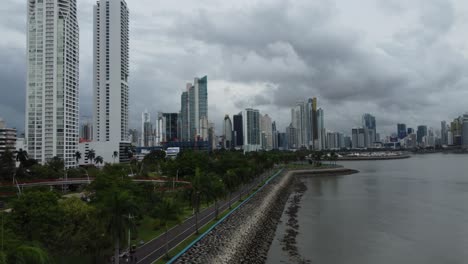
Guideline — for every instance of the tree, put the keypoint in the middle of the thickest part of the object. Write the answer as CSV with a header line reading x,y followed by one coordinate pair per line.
x,y
98,160
115,155
90,155
36,216
231,182
81,230
215,190
167,210
22,156
77,157
115,202
7,166
56,163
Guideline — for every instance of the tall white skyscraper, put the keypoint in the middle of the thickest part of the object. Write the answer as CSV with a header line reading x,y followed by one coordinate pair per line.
x,y
111,70
52,107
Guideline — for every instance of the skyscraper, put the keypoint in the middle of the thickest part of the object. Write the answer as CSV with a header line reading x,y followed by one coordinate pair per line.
x,y
52,98
443,133
368,122
401,131
315,128
166,128
274,135
227,129
421,133
184,114
146,130
251,125
465,131
321,132
238,130
194,111
266,130
111,70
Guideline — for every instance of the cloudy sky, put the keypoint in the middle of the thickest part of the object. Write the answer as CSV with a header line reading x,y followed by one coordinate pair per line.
x,y
403,61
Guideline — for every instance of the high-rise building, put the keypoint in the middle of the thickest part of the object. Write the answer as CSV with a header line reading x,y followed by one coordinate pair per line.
x,y
52,98
133,136
358,138
194,111
146,130
227,131
321,132
282,141
291,137
298,122
410,131
443,133
251,125
111,70
335,140
315,125
421,133
368,122
274,135
7,138
266,130
166,128
465,131
184,115
86,132
401,131
238,130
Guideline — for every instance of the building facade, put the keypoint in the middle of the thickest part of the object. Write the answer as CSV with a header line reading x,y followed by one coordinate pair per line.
x,y
7,138
194,111
421,134
52,98
251,126
368,122
111,70
227,132
238,131
401,131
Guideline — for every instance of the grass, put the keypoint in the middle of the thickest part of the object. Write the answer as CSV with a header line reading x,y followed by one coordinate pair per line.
x,y
149,229
203,229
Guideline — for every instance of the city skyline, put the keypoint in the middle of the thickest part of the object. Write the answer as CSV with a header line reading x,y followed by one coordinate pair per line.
x,y
379,89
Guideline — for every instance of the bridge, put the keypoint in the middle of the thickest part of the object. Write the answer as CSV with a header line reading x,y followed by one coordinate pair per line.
x,y
71,181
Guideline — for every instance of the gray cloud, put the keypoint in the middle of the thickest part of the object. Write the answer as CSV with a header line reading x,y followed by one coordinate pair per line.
x,y
285,50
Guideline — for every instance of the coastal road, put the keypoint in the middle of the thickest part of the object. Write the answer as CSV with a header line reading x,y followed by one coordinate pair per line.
x,y
156,248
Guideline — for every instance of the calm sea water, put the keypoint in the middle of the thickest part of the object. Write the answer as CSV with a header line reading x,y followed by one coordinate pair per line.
x,y
397,211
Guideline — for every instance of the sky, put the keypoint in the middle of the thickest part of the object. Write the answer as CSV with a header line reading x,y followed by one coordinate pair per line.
x,y
402,61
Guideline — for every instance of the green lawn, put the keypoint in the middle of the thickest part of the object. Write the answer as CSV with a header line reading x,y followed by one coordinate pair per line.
x,y
149,227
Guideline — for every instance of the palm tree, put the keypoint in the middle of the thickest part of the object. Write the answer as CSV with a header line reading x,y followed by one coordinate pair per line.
x,y
98,160
231,181
77,157
167,210
117,205
22,156
90,155
115,155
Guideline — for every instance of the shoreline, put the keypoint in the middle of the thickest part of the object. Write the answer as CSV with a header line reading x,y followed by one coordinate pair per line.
x,y
246,235
375,158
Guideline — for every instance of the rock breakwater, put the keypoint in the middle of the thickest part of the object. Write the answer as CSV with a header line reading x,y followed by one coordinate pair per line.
x,y
246,235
